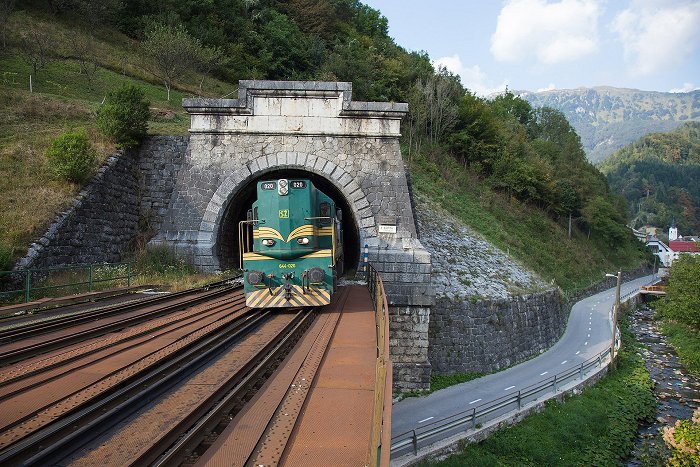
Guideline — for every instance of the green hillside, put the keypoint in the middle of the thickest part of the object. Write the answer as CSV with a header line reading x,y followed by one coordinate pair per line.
x,y
527,164
659,175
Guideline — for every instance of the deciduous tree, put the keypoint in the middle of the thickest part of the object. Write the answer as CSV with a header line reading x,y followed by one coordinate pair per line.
x,y
171,51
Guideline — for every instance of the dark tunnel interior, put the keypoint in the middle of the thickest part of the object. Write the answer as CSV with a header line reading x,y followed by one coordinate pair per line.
x,y
227,245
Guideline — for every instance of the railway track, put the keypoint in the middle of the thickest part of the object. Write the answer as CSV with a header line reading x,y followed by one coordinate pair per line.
x,y
96,322
218,384
55,422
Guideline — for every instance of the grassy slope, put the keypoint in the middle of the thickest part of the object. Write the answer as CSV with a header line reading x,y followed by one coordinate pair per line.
x,y
525,232
596,428
64,99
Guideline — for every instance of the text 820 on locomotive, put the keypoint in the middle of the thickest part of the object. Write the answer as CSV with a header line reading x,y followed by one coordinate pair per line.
x,y
290,245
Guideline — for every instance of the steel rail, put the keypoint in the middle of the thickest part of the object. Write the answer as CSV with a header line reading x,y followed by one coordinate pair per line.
x,y
57,440
236,304
175,446
16,355
42,327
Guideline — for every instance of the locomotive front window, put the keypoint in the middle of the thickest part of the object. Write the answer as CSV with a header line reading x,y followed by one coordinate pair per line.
x,y
325,213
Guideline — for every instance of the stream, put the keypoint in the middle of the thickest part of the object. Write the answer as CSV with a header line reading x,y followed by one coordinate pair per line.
x,y
677,392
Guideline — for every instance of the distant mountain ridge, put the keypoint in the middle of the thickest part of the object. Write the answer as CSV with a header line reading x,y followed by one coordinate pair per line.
x,y
608,118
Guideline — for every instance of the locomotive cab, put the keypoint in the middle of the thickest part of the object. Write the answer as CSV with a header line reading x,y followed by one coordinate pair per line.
x,y
291,245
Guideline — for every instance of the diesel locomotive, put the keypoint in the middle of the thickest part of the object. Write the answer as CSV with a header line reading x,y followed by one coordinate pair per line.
x,y
291,245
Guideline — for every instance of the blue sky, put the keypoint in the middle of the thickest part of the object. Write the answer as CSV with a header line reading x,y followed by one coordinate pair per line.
x,y
653,45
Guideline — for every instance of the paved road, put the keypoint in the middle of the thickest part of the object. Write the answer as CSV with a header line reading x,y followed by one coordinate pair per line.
x,y
587,334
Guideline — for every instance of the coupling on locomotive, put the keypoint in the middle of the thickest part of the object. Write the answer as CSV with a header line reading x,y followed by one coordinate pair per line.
x,y
291,245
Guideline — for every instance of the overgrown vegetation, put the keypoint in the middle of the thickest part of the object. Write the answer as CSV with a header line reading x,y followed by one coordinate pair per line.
x,y
596,428
158,265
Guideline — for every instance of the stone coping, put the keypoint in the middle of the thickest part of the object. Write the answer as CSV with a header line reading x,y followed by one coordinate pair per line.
x,y
243,105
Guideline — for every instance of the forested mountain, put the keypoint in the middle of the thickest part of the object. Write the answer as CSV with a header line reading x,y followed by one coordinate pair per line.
x,y
77,51
608,118
659,175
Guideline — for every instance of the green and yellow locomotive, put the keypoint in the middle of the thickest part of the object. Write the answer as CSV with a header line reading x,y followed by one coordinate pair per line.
x,y
291,246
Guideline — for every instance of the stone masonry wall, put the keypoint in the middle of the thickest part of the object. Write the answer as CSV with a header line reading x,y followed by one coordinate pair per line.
x,y
160,161
100,223
104,220
489,335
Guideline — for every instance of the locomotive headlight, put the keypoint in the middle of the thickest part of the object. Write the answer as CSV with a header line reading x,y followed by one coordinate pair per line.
x,y
282,186
254,277
268,242
303,241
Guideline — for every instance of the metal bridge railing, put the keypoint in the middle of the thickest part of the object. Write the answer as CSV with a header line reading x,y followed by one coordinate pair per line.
x,y
471,419
69,279
381,416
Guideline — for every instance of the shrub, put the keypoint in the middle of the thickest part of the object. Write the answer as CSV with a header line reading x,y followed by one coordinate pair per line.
x,y
124,116
6,256
71,156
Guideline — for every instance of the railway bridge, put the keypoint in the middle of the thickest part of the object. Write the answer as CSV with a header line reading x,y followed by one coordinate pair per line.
x,y
350,150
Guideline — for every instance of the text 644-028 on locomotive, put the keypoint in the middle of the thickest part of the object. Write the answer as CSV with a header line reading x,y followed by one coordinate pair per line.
x,y
291,245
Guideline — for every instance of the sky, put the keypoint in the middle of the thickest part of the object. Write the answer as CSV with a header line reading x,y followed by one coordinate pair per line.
x,y
535,45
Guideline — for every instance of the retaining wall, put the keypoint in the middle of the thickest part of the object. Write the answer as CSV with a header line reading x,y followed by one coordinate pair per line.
x,y
490,335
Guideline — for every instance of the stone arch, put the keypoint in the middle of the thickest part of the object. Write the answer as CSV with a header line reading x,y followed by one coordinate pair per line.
x,y
232,185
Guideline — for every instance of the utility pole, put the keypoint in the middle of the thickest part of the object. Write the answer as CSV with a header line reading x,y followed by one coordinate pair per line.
x,y
615,311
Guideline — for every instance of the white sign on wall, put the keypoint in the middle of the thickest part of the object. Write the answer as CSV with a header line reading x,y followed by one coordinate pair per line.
x,y
385,228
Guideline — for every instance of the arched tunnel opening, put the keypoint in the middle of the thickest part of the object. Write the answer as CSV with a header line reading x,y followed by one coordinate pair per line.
x,y
227,247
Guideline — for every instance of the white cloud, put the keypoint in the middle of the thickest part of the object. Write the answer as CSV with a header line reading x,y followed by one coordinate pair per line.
x,y
551,87
656,37
687,87
550,32
473,78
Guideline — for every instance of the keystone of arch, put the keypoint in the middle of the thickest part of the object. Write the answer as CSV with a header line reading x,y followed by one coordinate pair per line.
x,y
231,186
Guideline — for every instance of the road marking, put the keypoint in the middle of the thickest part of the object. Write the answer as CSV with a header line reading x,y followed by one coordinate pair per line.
x,y
509,387
426,419
542,374
588,336
589,329
564,362
474,401
578,352
586,343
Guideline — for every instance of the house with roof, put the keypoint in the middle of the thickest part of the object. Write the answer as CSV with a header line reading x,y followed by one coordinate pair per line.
x,y
677,245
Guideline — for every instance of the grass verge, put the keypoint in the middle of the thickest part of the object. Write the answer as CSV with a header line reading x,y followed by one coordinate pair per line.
x,y
596,428
438,382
